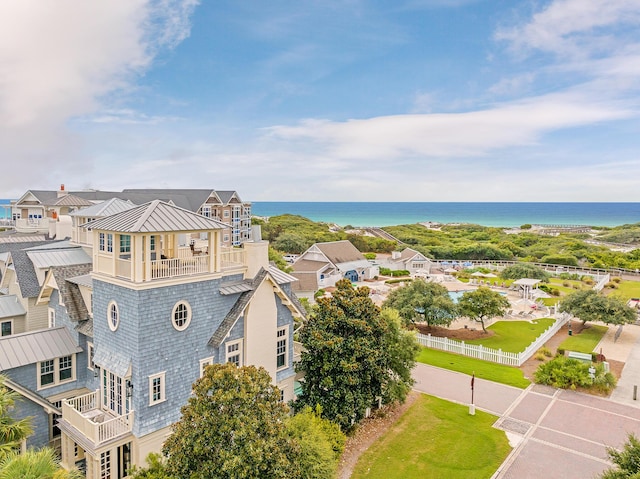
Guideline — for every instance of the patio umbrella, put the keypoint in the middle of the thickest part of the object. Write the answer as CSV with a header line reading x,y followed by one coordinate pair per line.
x,y
490,275
478,274
450,270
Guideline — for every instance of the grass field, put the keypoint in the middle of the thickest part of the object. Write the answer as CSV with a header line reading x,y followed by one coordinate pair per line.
x,y
627,290
436,439
482,369
514,336
586,341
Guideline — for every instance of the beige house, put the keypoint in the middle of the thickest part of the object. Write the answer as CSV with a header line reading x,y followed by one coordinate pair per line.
x,y
324,264
410,260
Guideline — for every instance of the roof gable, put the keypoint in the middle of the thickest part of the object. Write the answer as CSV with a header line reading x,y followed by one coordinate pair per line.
x,y
340,251
105,208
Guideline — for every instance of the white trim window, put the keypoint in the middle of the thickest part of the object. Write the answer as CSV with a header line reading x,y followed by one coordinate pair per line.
x,y
6,327
125,243
181,315
114,393
53,372
225,238
234,352
204,363
282,350
105,465
206,211
157,388
90,352
52,318
113,316
101,242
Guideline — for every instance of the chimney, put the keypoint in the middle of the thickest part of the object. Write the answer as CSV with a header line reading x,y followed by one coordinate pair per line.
x,y
256,251
61,191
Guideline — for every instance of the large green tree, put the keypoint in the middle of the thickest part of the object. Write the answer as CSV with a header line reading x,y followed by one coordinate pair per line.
x,y
12,432
589,305
422,301
482,304
232,427
524,270
627,461
353,355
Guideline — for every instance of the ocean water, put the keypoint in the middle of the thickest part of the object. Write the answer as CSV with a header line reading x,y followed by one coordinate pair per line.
x,y
5,212
488,214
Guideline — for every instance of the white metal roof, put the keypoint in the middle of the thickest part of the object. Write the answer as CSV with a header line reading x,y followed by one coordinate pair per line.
x,y
527,282
10,306
105,208
156,217
84,280
280,276
29,348
62,257
350,265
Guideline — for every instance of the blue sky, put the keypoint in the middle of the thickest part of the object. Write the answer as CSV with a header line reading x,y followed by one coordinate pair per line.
x,y
404,100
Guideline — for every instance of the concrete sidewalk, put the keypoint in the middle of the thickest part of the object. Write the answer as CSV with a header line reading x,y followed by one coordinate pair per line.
x,y
555,434
623,393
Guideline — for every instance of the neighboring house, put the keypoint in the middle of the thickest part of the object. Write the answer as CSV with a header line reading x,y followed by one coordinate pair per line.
x,y
324,264
135,329
409,260
42,211
23,266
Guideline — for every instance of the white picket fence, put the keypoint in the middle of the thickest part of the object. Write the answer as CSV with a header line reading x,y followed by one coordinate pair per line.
x,y
490,354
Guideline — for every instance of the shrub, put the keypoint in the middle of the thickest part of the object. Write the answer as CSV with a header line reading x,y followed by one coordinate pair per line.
x,y
568,373
385,271
319,293
395,281
566,284
616,280
611,285
588,281
560,352
554,292
525,226
369,255
545,351
400,272
539,356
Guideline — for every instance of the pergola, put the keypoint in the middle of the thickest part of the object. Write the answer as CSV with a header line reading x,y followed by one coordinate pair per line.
x,y
527,285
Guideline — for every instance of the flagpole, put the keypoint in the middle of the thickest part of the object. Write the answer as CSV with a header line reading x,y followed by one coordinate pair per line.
x,y
472,406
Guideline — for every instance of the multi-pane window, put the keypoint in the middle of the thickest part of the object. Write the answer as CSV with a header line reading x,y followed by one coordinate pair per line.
x,y
52,317
47,369
65,368
109,243
234,353
156,389
181,315
101,242
281,348
204,363
153,243
113,392
56,371
113,316
90,353
206,211
105,465
6,328
125,243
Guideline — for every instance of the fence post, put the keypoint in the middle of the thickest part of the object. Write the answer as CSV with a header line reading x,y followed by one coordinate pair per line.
x,y
429,340
500,355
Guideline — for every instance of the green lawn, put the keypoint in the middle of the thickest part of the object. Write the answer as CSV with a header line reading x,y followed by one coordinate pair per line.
x,y
436,439
482,369
586,341
627,290
514,336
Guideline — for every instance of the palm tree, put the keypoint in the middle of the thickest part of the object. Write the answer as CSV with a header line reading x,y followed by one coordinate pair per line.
x,y
12,432
34,464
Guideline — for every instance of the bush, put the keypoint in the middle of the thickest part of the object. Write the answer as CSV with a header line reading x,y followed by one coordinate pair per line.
x,y
545,351
395,281
568,373
560,352
611,285
566,284
369,255
539,356
400,272
385,271
554,292
616,280
319,293
525,226
588,281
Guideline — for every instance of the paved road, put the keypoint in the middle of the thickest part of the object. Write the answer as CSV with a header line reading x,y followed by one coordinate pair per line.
x,y
556,434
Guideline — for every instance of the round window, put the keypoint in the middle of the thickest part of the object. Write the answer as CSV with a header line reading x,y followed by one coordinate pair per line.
x,y
181,315
113,316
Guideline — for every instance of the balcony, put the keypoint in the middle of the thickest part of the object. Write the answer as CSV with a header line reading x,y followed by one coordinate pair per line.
x,y
185,264
94,423
39,225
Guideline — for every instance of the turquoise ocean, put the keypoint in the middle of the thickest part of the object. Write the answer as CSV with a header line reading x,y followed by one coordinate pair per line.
x,y
488,214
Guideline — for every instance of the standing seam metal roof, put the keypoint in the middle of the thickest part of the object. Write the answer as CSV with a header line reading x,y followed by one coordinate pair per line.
x,y
156,217
106,208
10,306
29,348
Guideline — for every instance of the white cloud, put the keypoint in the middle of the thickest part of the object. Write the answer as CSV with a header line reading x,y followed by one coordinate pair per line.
x,y
60,60
575,27
452,135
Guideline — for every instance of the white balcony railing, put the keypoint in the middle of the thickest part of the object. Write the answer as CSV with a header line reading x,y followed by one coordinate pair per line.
x,y
96,424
